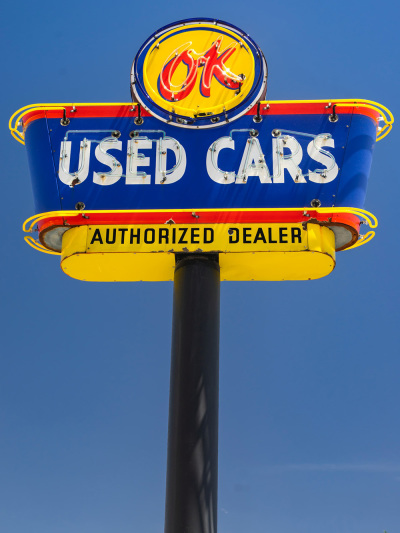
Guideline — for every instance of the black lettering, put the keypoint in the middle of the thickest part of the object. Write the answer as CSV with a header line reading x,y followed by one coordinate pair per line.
x,y
96,237
123,231
296,234
181,240
108,241
281,235
173,235
233,235
247,235
134,236
211,239
192,235
163,234
152,231
270,236
260,236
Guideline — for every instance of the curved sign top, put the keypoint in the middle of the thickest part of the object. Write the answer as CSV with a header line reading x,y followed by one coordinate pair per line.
x,y
199,73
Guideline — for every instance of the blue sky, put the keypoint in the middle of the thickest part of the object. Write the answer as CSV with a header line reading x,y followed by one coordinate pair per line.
x,y
309,383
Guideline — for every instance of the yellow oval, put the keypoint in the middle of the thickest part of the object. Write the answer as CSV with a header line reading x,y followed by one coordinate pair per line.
x,y
211,59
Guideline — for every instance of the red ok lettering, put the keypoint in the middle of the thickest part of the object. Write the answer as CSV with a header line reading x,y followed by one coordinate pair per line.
x,y
213,63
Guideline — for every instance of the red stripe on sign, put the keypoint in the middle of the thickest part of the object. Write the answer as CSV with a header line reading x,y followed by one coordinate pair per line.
x,y
201,217
314,108
85,111
266,108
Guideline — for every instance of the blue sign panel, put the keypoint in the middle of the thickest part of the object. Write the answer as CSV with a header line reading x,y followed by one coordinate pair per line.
x,y
272,160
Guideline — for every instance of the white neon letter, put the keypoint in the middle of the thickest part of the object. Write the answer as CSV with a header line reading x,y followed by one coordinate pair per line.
x,y
135,159
324,157
177,171
83,166
253,163
282,161
112,176
215,173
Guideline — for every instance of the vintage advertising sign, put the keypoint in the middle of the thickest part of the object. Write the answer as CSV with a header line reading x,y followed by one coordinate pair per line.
x,y
200,149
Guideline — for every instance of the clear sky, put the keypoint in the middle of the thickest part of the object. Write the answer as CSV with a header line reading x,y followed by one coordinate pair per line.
x,y
309,385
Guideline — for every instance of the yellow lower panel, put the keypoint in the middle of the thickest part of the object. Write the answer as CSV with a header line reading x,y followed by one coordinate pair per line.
x,y
120,266
312,258
275,266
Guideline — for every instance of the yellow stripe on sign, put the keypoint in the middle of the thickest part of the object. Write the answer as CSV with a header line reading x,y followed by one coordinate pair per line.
x,y
196,238
290,252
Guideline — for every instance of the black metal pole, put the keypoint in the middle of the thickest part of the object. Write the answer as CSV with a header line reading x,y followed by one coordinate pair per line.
x,y
192,465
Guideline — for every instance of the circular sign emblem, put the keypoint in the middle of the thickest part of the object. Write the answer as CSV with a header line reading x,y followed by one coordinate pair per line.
x,y
199,73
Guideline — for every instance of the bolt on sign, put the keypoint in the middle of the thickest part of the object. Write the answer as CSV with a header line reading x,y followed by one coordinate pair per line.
x,y
200,161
